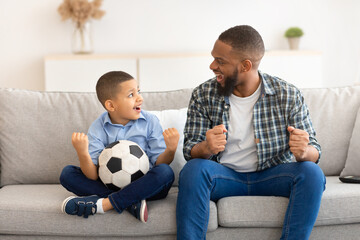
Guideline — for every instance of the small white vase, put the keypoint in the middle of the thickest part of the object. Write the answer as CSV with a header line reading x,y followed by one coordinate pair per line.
x,y
294,43
82,39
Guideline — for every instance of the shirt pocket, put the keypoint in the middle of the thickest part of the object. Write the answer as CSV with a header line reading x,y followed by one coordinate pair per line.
x,y
274,131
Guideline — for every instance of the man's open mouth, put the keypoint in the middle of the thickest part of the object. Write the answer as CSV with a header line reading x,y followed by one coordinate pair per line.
x,y
219,77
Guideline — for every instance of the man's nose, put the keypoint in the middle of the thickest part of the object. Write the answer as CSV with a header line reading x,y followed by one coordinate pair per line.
x,y
213,65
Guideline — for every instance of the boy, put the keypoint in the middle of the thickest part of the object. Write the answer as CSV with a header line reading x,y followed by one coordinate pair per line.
x,y
118,92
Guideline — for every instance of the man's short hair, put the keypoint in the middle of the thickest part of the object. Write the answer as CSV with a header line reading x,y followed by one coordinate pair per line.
x,y
108,85
245,40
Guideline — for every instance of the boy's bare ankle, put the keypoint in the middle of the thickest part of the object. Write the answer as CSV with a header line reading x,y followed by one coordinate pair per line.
x,y
106,205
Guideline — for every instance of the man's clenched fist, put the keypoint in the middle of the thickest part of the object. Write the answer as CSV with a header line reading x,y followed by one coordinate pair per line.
x,y
298,142
216,139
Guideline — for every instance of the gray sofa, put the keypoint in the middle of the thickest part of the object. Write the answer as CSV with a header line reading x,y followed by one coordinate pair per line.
x,y
35,130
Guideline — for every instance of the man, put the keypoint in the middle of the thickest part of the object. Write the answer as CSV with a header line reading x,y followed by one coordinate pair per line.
x,y
258,131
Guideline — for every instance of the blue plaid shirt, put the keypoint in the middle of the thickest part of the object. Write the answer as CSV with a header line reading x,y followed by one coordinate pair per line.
x,y
280,105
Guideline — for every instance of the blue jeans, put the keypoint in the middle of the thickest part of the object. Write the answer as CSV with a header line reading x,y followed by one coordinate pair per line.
x,y
154,185
204,180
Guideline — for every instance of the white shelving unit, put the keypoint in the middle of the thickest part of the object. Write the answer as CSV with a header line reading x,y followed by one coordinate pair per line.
x,y
155,72
79,73
302,68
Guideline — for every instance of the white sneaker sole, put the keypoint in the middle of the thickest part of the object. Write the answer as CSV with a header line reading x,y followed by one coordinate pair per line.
x,y
143,212
63,205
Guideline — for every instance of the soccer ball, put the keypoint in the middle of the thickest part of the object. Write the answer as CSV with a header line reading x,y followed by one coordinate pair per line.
x,y
121,163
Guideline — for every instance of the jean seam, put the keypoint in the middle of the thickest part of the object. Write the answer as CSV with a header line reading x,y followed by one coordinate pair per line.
x,y
114,203
248,184
289,213
271,177
206,223
227,178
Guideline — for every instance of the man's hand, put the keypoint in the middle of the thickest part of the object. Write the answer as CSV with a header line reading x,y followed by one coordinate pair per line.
x,y
216,139
80,142
171,137
299,143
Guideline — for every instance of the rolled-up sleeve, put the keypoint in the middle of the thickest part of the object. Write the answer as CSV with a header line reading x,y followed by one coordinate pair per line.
x,y
197,123
300,118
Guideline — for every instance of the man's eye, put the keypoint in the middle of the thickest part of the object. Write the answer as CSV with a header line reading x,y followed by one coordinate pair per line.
x,y
131,95
219,61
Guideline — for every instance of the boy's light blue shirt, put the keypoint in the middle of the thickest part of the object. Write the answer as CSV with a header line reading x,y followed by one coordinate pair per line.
x,y
145,131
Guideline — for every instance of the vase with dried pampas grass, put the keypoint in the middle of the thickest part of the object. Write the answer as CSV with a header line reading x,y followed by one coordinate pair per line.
x,y
81,12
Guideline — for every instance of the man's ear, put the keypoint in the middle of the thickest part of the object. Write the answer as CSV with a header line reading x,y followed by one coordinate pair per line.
x,y
246,65
109,105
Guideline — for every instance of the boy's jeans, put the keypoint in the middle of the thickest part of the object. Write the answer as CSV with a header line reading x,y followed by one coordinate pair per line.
x,y
204,180
154,185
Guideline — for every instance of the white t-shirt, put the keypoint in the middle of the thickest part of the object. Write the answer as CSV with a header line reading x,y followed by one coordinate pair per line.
x,y
240,150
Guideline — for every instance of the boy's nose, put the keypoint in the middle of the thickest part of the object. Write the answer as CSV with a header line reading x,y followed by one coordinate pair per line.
x,y
139,98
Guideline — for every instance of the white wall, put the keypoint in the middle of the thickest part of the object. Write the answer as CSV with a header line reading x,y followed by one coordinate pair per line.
x,y
29,30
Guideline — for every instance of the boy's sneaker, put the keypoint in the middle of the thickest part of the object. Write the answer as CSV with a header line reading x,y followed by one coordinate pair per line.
x,y
139,210
80,206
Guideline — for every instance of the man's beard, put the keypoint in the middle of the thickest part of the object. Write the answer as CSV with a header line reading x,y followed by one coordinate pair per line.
x,y
230,83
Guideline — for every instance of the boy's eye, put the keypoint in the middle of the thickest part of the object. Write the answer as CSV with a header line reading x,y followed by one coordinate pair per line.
x,y
131,95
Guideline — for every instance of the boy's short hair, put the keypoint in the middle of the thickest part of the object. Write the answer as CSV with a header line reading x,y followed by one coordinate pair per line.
x,y
108,85
245,40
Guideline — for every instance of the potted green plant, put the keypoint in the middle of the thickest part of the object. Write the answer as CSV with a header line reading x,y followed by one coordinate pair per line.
x,y
293,35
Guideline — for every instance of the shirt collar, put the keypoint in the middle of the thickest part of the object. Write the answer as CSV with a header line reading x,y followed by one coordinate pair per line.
x,y
107,120
266,86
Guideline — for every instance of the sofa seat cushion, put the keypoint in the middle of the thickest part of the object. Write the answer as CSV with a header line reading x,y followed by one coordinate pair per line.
x,y
36,210
340,205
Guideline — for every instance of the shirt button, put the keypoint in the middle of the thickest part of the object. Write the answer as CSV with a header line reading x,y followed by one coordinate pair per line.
x,y
226,106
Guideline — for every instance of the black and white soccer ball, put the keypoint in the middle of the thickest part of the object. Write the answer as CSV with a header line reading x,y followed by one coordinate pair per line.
x,y
121,163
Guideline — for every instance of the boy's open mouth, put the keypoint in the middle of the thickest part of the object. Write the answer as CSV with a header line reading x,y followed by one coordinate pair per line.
x,y
137,108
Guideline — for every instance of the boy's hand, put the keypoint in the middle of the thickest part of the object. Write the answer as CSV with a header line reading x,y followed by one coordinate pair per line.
x,y
80,142
171,137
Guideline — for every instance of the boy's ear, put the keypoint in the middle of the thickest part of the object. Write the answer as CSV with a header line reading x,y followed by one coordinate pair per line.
x,y
109,105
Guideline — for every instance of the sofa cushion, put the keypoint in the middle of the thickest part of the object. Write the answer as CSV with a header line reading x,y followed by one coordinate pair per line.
x,y
340,205
35,133
36,210
333,113
175,119
36,128
352,164
157,101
